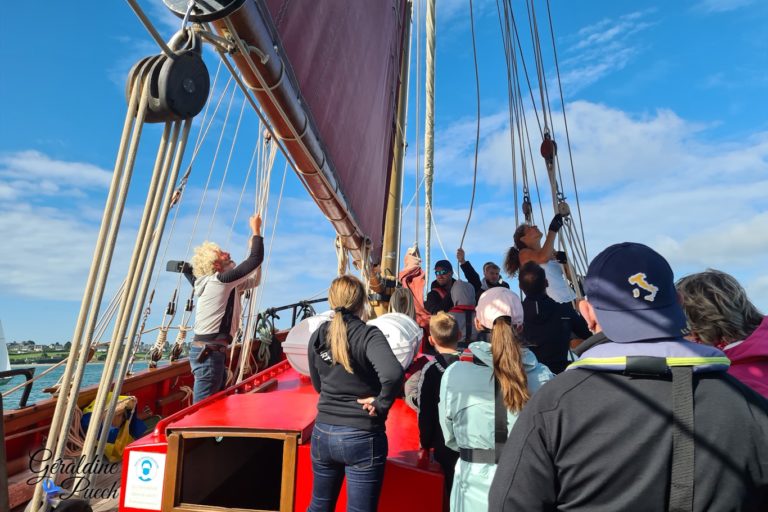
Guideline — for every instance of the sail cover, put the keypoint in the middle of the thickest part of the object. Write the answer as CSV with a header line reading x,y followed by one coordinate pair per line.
x,y
345,56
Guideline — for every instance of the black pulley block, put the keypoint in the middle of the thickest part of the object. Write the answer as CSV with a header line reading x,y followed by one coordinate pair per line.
x,y
183,85
204,10
178,86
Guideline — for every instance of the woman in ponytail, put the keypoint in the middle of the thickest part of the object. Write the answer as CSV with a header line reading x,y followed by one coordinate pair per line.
x,y
502,377
358,378
529,247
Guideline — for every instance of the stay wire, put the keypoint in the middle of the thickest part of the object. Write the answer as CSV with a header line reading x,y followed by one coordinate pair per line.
x,y
244,187
559,185
181,185
226,166
525,71
477,131
565,124
510,99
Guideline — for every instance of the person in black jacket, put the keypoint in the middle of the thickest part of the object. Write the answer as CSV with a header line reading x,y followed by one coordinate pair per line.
x,y
644,420
548,326
491,274
358,377
444,336
439,296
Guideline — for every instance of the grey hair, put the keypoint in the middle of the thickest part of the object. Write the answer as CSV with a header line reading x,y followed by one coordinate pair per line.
x,y
401,301
717,307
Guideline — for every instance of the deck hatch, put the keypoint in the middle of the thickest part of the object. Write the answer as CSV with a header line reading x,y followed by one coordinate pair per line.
x,y
230,470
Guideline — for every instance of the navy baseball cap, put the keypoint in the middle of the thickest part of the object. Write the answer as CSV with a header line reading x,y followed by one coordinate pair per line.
x,y
632,289
444,264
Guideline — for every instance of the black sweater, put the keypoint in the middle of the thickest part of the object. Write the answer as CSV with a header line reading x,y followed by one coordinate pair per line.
x,y
377,373
473,278
548,327
436,302
430,433
602,441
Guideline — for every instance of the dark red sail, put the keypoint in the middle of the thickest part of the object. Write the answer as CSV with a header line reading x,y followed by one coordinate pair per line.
x,y
342,63
346,57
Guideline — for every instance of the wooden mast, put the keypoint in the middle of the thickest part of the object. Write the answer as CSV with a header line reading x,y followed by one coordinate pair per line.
x,y
383,284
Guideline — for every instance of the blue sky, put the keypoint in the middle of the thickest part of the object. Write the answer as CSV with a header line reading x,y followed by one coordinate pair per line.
x,y
666,110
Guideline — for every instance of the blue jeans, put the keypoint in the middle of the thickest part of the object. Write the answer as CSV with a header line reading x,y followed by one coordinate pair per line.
x,y
210,375
338,450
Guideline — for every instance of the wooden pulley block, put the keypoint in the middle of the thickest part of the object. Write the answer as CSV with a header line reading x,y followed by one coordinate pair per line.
x,y
548,148
138,73
527,208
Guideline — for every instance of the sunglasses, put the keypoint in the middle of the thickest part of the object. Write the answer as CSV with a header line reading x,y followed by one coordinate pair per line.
x,y
441,272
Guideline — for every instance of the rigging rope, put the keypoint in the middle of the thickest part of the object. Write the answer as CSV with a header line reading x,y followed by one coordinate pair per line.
x,y
477,132
342,257
256,150
94,288
229,160
261,200
565,124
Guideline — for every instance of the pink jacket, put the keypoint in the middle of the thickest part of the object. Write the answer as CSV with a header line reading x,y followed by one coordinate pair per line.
x,y
749,359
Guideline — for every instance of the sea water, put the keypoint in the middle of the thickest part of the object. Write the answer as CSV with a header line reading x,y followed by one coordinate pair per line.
x,y
91,377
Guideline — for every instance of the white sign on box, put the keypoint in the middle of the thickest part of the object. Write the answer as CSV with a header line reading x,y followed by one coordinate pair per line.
x,y
144,484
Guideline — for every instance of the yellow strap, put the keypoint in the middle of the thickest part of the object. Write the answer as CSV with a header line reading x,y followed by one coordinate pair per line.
x,y
671,361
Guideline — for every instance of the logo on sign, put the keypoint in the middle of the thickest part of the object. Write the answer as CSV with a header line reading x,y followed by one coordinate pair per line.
x,y
146,468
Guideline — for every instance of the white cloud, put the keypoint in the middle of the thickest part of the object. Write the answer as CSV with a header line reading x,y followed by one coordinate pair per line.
x,y
28,173
53,245
654,178
602,48
757,291
713,6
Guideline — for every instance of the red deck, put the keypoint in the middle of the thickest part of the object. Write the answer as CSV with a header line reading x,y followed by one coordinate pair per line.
x,y
285,401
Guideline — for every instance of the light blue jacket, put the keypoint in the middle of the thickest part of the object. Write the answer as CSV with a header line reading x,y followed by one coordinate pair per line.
x,y
467,419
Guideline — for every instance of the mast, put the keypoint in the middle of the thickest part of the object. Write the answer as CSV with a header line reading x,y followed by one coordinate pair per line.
x,y
391,243
429,129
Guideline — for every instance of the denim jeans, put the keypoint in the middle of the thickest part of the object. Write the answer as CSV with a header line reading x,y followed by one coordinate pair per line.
x,y
210,375
360,455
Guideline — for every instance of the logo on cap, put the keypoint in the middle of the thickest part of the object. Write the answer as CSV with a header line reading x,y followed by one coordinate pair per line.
x,y
640,280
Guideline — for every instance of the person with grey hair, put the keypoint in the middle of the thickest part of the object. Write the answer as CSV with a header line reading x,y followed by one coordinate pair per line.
x,y
401,301
491,274
720,313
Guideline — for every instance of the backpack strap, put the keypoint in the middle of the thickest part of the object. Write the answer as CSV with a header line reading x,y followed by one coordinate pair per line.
x,y
682,478
682,472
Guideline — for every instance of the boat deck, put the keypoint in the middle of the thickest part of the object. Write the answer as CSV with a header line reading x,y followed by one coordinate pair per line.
x,y
280,402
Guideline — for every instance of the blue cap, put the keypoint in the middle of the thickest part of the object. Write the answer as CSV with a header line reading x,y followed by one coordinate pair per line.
x,y
632,290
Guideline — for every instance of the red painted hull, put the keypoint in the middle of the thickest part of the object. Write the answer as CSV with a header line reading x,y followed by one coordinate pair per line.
x,y
157,392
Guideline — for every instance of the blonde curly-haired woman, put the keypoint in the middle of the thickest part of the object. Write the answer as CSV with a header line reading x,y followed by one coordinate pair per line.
x,y
218,284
